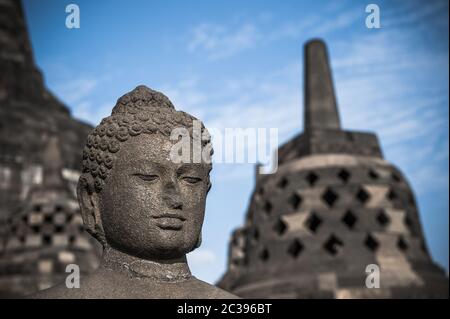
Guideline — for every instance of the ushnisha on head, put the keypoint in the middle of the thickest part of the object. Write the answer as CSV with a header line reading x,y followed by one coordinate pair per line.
x,y
133,196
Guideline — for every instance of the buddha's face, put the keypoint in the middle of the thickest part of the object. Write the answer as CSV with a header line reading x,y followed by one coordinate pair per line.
x,y
151,207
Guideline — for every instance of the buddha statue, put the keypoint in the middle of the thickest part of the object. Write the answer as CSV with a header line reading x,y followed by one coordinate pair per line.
x,y
146,209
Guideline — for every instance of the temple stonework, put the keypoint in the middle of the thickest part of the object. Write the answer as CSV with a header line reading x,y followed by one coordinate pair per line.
x,y
333,207
29,116
46,235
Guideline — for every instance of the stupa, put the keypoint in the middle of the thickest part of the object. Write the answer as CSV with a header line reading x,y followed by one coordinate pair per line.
x,y
334,207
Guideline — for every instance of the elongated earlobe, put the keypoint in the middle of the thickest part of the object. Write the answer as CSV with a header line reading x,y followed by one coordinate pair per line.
x,y
89,205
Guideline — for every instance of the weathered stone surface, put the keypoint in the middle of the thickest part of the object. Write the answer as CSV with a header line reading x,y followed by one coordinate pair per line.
x,y
333,207
46,235
40,229
144,208
28,112
320,102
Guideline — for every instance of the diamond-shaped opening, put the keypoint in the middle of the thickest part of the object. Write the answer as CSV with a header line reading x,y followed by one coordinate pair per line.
x,y
344,175
362,196
396,177
373,175
312,178
371,243
72,239
268,207
58,208
48,219
37,208
256,234
295,200
408,222
261,191
280,227
264,255
59,228
36,229
313,222
295,248
392,195
47,239
25,218
330,197
69,217
349,219
401,244
382,218
333,245
283,183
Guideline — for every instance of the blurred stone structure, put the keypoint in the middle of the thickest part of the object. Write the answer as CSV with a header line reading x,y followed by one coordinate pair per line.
x,y
333,207
29,116
46,235
27,112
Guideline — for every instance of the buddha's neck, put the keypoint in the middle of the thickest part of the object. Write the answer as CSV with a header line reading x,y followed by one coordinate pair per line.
x,y
171,270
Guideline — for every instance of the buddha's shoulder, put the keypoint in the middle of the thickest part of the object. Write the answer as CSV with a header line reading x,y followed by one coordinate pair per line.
x,y
206,290
93,286
60,291
101,285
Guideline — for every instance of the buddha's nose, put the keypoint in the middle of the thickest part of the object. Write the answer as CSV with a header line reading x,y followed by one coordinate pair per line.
x,y
172,196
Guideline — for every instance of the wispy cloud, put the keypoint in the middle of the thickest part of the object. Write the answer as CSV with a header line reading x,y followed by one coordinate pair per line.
x,y
414,14
201,257
77,89
82,94
86,111
220,41
374,84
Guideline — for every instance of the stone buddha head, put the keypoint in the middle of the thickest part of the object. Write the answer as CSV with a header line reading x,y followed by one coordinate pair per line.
x,y
133,196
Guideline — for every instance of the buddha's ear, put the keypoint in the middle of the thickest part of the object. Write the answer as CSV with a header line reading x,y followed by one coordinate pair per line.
x,y
89,205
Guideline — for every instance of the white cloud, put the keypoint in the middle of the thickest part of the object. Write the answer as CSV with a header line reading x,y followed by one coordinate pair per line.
x,y
76,90
222,42
375,90
201,257
338,21
410,14
89,113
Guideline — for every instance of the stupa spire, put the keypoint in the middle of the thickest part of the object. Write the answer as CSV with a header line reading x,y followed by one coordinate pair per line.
x,y
321,110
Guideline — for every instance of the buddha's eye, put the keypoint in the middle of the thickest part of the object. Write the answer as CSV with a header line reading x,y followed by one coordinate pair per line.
x,y
147,178
192,180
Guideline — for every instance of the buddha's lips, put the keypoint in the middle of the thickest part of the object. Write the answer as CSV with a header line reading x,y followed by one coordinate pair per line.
x,y
169,221
170,215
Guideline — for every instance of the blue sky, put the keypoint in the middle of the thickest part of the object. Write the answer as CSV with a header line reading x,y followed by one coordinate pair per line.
x,y
239,64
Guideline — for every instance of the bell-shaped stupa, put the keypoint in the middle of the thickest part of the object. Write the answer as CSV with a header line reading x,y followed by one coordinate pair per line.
x,y
333,208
